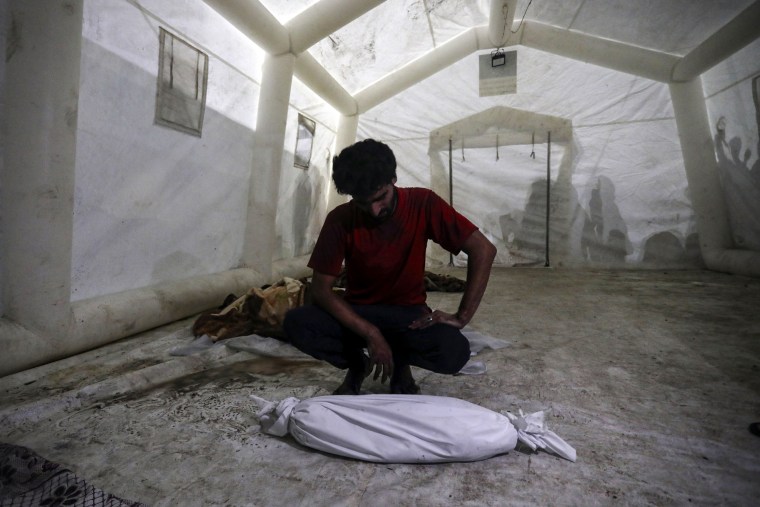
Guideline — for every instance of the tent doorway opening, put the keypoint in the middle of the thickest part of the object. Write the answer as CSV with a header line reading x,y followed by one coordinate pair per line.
x,y
494,167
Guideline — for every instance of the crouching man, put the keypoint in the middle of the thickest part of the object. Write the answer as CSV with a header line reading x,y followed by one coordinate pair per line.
x,y
381,235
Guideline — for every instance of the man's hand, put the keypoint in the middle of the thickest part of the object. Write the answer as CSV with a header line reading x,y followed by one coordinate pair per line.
x,y
380,357
380,354
480,255
437,317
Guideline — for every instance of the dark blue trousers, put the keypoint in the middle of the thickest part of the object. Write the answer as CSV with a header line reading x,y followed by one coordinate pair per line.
x,y
438,348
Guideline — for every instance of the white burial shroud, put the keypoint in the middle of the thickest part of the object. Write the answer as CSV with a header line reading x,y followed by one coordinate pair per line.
x,y
398,428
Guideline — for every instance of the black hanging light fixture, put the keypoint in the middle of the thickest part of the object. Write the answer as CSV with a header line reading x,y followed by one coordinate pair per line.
x,y
498,58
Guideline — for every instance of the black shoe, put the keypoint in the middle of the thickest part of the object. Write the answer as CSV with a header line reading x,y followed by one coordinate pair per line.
x,y
754,428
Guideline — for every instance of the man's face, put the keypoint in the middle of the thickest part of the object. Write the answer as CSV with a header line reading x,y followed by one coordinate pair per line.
x,y
381,204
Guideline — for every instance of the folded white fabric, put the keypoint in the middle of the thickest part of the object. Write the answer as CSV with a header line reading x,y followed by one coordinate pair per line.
x,y
391,428
479,341
532,431
198,345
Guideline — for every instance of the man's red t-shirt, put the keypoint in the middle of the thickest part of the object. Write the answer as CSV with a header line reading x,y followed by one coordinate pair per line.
x,y
385,262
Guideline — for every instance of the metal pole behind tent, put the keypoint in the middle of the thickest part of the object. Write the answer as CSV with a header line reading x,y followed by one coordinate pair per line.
x,y
548,190
451,192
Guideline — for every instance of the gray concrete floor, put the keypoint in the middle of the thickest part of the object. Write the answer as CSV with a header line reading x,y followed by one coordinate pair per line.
x,y
652,376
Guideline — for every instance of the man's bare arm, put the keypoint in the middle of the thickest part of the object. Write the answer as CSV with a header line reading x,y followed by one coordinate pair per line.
x,y
480,255
380,355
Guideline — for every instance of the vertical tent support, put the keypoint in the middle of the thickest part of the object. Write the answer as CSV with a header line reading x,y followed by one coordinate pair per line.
x,y
451,192
716,243
548,190
41,86
266,166
345,137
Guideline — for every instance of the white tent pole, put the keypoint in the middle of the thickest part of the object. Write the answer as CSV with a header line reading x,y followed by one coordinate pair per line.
x,y
104,319
736,34
704,183
548,191
269,139
500,21
313,75
315,23
451,189
38,182
345,137
439,175
448,53
52,62
323,18
439,183
604,52
37,191
255,22
607,53
700,163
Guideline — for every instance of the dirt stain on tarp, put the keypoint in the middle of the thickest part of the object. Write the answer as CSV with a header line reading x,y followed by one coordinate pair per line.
x,y
221,376
13,42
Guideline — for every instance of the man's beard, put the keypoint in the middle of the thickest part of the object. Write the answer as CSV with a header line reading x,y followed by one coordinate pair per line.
x,y
386,213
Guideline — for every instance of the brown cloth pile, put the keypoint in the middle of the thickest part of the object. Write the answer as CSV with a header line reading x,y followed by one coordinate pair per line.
x,y
443,283
261,310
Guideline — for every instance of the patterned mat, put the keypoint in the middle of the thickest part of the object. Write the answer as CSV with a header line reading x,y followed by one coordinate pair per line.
x,y
28,479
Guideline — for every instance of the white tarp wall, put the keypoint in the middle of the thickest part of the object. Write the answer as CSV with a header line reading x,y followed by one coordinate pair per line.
x,y
119,224
732,91
112,224
621,185
302,201
3,49
153,204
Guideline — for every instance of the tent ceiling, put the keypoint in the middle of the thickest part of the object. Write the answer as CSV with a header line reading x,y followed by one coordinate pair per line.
x,y
396,32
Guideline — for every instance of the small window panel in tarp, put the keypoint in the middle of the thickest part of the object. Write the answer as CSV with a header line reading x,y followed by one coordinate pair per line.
x,y
182,81
304,141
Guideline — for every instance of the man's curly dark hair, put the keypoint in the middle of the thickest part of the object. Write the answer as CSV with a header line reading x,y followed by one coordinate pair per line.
x,y
362,168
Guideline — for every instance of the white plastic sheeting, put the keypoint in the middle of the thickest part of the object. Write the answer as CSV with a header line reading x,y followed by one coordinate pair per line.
x,y
400,428
397,31
732,91
621,173
147,214
596,221
153,205
303,193
153,208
